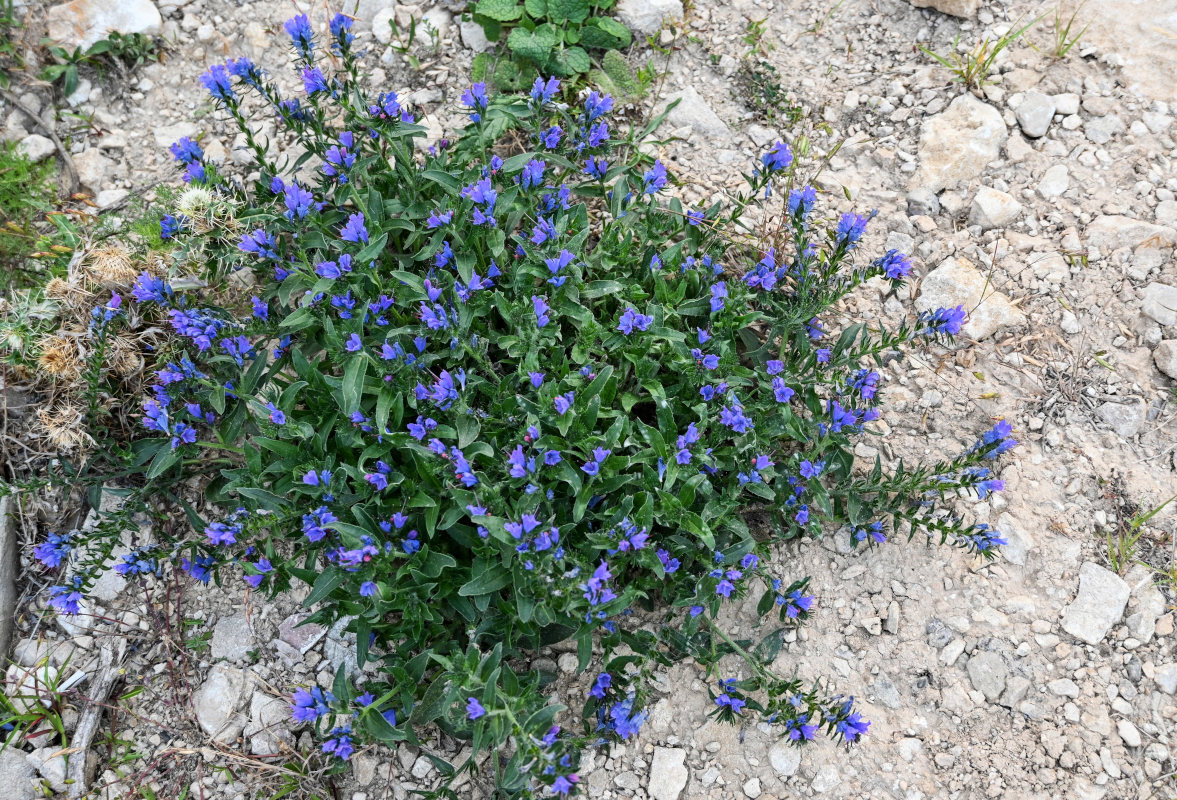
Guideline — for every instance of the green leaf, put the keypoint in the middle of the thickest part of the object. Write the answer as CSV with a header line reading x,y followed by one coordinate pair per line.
x,y
616,30
499,10
485,582
536,9
324,585
374,248
560,11
264,499
573,60
535,45
353,383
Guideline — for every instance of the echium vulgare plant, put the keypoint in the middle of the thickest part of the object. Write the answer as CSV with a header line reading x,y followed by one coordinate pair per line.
x,y
483,404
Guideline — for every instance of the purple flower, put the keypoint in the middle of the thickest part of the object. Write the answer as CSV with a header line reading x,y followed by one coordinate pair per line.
x,y
541,308
313,80
354,230
474,709
601,685
777,158
596,105
564,402
354,343
654,179
299,29
850,229
216,80
186,151
543,92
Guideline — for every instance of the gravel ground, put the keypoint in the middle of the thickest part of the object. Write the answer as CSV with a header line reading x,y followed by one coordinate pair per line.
x,y
1046,204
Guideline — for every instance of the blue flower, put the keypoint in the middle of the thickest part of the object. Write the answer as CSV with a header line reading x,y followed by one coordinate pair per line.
x,y
801,202
541,308
216,80
299,29
354,230
564,402
533,174
551,137
354,343
850,229
474,709
777,158
53,550
942,321
341,31
895,265
313,80
340,743
632,319
298,201
186,151
654,179
475,98
170,225
596,167
596,105
246,72
543,92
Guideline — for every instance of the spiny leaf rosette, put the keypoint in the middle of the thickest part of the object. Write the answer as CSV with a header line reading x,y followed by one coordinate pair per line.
x,y
482,405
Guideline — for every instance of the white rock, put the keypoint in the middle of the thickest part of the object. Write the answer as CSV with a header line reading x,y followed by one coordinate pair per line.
x,y
83,22
1126,419
232,638
957,282
958,143
993,209
1019,541
1110,232
785,759
752,788
16,775
216,702
473,36
648,16
50,762
693,111
381,24
826,779
668,773
987,671
35,148
92,167
957,8
1098,605
1066,104
1160,303
1166,678
1165,357
268,724
1150,604
434,20
1064,687
1128,733
1055,181
167,135
1035,113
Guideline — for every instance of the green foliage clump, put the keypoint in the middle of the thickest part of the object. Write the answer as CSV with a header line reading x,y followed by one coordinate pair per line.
x,y
549,37
481,405
27,192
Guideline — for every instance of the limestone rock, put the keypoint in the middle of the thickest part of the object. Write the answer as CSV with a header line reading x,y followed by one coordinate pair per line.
x,y
16,775
473,36
1055,181
35,148
167,135
993,209
648,16
1160,303
987,671
232,638
957,282
51,764
785,758
1165,357
958,143
668,773
1126,419
957,8
81,23
268,727
1035,113
92,167
382,24
216,702
1098,605
694,112
1110,232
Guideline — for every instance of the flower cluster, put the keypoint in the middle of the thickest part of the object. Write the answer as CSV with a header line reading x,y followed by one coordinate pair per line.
x,y
478,402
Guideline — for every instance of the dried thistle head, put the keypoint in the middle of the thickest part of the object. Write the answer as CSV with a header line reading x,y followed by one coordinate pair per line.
x,y
60,359
205,211
110,267
58,289
122,356
65,426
